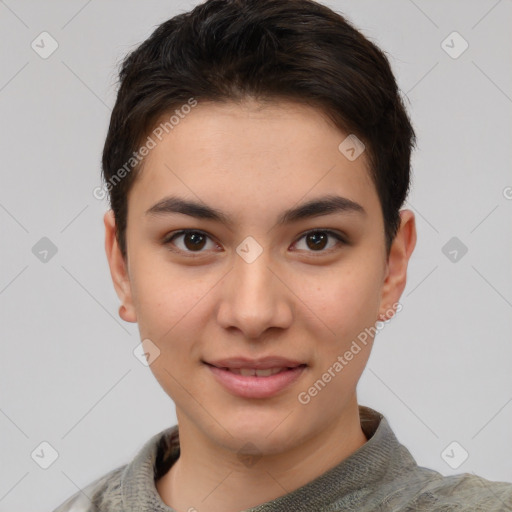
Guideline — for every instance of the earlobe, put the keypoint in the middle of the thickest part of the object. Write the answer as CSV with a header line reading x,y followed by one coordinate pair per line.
x,y
118,269
398,260
126,315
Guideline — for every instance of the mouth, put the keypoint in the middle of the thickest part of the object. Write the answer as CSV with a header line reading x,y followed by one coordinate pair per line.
x,y
254,372
250,382
257,372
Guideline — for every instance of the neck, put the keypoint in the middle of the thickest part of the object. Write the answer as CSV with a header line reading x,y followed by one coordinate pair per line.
x,y
209,477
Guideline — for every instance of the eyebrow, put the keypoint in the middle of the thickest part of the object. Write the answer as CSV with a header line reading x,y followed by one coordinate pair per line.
x,y
314,208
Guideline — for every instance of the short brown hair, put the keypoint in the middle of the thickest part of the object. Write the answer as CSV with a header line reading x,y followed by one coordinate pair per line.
x,y
228,50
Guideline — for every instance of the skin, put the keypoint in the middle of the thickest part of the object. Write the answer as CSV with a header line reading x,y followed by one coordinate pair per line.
x,y
254,161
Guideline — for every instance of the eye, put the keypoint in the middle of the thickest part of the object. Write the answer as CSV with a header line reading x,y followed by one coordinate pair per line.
x,y
193,241
317,240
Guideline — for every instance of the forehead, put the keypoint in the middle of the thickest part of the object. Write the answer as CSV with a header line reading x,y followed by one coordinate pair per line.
x,y
249,153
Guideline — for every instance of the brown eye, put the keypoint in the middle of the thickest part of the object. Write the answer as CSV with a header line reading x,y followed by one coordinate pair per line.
x,y
318,240
194,241
189,241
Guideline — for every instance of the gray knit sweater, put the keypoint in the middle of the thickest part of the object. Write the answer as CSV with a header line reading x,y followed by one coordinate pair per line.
x,y
380,476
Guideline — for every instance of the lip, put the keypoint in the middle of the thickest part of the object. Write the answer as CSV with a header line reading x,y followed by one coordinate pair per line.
x,y
256,387
259,364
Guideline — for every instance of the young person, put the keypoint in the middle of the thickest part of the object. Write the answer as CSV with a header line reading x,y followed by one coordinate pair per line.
x,y
257,160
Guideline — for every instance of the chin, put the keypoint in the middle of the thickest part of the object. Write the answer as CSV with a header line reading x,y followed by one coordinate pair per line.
x,y
268,432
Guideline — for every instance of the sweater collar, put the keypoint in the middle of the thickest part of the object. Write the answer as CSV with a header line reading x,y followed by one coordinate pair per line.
x,y
380,455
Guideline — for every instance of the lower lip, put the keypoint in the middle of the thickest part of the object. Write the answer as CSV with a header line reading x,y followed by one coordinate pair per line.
x,y
256,387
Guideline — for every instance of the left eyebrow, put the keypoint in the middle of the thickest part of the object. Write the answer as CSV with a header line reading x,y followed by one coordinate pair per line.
x,y
315,208
318,207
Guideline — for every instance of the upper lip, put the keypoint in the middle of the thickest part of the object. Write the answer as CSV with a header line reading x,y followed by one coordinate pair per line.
x,y
264,363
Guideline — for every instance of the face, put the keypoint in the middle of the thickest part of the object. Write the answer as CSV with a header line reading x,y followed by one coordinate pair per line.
x,y
247,281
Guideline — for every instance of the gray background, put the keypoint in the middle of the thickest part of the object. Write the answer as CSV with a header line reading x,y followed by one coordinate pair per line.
x,y
440,371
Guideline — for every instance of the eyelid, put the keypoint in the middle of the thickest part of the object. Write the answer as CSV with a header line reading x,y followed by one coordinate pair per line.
x,y
341,238
167,240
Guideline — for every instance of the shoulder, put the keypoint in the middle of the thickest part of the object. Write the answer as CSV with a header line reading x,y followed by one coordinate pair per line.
x,y
100,495
465,492
475,493
130,483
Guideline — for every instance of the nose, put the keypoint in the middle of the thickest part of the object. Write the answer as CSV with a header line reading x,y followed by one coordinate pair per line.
x,y
254,298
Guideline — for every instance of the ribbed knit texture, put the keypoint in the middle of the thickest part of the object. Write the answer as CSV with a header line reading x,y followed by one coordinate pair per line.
x,y
380,476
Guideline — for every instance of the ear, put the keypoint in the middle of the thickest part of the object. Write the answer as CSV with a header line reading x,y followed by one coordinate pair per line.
x,y
396,275
118,269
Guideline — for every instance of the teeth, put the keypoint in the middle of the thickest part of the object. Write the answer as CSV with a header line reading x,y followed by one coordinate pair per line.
x,y
248,372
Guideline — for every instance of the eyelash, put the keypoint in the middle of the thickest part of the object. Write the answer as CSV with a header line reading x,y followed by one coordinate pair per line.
x,y
195,254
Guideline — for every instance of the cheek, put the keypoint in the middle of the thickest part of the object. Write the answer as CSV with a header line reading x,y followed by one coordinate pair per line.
x,y
170,311
167,301
346,301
